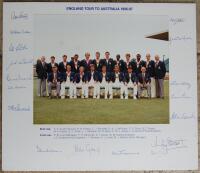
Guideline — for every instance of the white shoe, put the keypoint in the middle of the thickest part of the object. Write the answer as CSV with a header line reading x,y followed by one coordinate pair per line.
x,y
75,97
111,97
126,97
106,97
135,98
121,97
98,97
62,97
82,97
94,97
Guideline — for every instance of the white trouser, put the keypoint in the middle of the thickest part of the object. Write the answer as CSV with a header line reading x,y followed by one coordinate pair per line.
x,y
153,87
102,85
70,85
116,85
131,85
83,87
91,84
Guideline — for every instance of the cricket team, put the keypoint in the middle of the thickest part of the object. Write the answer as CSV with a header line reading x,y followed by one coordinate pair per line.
x,y
101,73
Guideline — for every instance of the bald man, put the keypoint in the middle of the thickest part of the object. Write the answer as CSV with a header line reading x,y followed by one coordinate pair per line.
x,y
160,72
150,68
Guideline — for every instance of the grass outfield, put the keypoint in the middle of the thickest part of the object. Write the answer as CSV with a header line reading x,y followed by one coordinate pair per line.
x,y
92,111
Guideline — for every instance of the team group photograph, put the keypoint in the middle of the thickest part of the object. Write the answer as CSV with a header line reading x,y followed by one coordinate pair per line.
x,y
106,73
101,69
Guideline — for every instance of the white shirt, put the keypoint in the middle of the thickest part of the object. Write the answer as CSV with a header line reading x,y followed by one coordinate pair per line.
x,y
117,77
68,76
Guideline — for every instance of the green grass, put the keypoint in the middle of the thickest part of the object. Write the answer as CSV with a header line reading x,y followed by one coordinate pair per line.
x,y
92,111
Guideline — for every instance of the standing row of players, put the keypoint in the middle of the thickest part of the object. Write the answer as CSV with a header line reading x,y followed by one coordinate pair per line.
x,y
102,73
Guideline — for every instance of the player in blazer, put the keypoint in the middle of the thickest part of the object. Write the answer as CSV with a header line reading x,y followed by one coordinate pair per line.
x,y
139,64
80,82
98,62
150,68
103,82
128,62
92,80
53,80
144,82
67,80
160,72
75,63
108,62
62,65
86,62
41,69
119,62
51,64
117,81
131,82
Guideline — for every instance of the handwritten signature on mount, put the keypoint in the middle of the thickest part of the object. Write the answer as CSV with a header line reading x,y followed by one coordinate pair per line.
x,y
164,146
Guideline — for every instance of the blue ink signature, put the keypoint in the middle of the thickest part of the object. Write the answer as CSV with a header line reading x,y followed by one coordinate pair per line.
x,y
18,47
164,146
18,77
20,15
18,107
124,152
185,84
20,62
181,96
86,148
46,150
177,20
20,32
183,116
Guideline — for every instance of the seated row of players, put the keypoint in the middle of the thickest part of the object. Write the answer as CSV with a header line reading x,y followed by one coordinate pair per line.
x,y
155,69
97,80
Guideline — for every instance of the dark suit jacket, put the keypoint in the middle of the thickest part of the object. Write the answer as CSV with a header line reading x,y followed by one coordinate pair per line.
x,y
49,67
107,77
64,76
95,76
62,67
132,63
41,70
133,77
139,66
78,78
120,63
73,67
98,67
50,77
109,65
121,77
160,70
147,78
150,68
86,65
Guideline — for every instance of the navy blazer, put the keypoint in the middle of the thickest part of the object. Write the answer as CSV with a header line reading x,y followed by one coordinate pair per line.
x,y
109,65
73,68
64,76
77,78
62,67
49,67
41,70
120,63
107,77
150,68
133,77
98,67
86,65
147,78
50,77
131,63
121,77
139,66
95,76
160,70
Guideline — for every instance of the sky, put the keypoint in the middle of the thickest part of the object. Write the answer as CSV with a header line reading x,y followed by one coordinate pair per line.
x,y
117,33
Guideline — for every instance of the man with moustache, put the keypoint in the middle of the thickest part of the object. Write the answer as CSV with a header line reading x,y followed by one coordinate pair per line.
x,y
75,64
